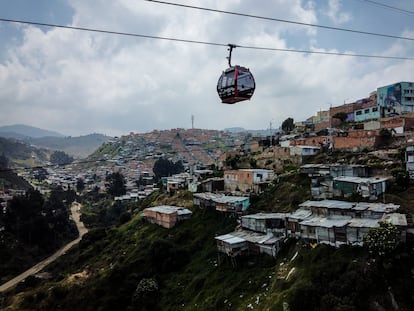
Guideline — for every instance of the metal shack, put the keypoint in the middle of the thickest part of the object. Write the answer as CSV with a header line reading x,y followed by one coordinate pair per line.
x,y
370,188
266,223
165,215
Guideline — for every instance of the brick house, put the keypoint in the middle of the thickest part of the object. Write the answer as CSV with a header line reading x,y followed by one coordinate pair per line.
x,y
165,215
246,180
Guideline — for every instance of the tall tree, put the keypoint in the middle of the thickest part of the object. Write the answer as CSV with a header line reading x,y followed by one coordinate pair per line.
x,y
164,168
4,161
288,125
342,116
115,184
80,184
60,158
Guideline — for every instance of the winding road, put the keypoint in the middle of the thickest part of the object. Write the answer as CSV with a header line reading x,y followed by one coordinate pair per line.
x,y
75,210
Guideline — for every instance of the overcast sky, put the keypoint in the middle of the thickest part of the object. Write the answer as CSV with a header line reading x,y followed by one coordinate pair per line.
x,y
79,82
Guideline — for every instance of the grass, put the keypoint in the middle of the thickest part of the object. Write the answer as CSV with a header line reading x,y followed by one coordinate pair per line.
x,y
184,263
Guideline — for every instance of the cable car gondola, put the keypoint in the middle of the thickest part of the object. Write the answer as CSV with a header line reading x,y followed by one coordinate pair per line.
x,y
236,83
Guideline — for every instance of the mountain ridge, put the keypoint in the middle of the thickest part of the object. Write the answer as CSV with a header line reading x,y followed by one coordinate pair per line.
x,y
19,131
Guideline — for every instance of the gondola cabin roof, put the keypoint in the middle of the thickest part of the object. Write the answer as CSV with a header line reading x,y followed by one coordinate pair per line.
x,y
235,84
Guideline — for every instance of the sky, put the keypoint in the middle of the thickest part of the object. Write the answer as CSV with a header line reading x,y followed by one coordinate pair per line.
x,y
81,82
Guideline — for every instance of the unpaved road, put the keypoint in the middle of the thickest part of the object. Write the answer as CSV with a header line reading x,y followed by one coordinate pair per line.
x,y
75,210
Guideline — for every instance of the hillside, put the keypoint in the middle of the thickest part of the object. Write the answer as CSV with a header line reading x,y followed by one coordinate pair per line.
x,y
79,147
20,131
10,180
22,154
141,266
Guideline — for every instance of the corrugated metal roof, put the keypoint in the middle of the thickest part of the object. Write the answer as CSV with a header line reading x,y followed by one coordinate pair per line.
x,y
243,236
267,216
360,206
300,214
326,222
220,198
328,204
396,219
358,180
168,209
364,223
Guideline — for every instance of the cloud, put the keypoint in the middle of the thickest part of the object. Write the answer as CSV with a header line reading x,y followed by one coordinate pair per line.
x,y
334,13
80,82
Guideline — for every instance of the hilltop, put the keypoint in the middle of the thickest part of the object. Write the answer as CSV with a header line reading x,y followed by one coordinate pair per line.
x,y
78,147
21,131
23,154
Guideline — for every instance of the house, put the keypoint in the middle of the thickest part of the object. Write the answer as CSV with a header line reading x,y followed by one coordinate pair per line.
x,y
246,180
235,205
328,230
212,184
409,161
396,98
293,220
304,151
265,223
342,208
322,177
244,242
367,187
176,182
336,222
166,216
329,222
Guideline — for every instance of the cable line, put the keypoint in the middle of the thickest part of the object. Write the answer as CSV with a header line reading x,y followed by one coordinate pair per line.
x,y
283,20
387,6
201,42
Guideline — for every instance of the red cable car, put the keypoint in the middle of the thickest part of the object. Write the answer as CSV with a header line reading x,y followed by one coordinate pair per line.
x,y
236,83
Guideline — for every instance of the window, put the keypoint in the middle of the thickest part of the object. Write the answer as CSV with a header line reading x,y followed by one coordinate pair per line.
x,y
375,109
358,113
366,111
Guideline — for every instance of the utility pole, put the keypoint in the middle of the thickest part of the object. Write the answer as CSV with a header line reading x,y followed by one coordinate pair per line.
x,y
192,121
270,128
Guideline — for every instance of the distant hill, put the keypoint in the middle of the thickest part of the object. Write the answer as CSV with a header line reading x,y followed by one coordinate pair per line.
x,y
78,147
20,131
10,180
19,152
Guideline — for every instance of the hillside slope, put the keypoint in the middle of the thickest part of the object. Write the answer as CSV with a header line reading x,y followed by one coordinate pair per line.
x,y
141,266
20,131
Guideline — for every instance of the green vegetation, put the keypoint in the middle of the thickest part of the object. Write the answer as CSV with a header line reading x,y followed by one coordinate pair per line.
x,y
60,158
33,227
141,266
288,125
21,153
126,263
164,167
116,184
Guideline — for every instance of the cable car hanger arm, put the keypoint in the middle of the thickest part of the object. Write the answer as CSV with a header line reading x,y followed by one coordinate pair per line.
x,y
230,49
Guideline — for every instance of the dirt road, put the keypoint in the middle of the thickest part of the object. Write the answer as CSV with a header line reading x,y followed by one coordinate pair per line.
x,y
75,210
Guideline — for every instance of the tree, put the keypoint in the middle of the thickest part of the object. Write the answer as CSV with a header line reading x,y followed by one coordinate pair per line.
x,y
115,184
383,240
342,116
288,125
163,168
4,161
80,184
401,177
60,158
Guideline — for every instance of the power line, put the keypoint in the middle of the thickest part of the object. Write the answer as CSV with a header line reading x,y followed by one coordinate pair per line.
x,y
283,20
387,6
202,42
